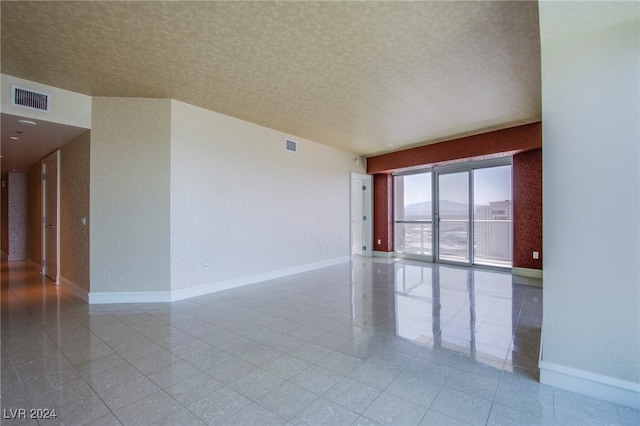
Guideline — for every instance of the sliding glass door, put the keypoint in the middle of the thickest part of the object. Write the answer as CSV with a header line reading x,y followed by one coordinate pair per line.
x,y
456,214
492,221
453,217
413,228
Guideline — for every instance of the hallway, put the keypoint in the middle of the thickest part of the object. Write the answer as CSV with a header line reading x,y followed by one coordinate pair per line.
x,y
371,342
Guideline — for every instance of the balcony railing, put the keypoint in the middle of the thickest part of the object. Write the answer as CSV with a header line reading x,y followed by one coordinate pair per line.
x,y
493,240
414,237
454,240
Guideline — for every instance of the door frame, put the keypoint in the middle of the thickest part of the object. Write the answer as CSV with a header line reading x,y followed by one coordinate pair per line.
x,y
56,156
366,222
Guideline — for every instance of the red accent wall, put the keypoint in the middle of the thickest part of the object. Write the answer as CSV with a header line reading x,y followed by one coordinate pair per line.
x,y
485,145
527,209
524,143
383,212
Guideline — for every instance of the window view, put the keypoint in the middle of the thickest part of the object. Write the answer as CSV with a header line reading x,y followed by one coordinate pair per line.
x,y
486,238
413,210
493,236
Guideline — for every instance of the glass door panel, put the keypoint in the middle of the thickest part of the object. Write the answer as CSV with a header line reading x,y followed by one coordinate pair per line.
x,y
493,210
453,217
413,214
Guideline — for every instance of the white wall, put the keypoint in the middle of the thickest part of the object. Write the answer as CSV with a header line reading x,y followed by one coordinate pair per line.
x,y
71,108
591,178
248,209
129,197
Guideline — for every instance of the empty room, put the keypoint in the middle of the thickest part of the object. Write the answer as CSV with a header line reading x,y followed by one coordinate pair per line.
x,y
307,213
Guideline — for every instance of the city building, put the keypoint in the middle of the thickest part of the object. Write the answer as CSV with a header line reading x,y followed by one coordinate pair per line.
x,y
493,231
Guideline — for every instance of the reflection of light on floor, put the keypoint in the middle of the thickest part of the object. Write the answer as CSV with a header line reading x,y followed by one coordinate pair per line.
x,y
461,309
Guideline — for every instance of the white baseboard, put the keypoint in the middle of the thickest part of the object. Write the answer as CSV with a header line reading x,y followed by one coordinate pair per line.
x,y
75,289
186,293
611,389
527,272
387,254
96,298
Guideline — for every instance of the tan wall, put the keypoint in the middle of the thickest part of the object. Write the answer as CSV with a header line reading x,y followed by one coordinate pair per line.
x,y
74,206
130,199
236,191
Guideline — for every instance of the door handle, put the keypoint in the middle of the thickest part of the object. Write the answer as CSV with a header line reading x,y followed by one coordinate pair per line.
x,y
51,226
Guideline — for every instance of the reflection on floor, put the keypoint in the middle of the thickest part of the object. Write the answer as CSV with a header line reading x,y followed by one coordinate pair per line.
x,y
476,312
373,342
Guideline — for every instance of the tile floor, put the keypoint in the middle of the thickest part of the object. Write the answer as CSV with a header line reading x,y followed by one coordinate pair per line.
x,y
371,342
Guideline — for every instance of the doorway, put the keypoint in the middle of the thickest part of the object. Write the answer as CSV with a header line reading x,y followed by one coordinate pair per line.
x,y
51,217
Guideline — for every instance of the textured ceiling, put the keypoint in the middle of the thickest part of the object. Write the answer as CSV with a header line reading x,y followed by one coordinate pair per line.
x,y
368,77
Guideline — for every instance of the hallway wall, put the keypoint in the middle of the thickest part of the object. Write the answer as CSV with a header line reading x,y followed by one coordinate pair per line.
x,y
74,206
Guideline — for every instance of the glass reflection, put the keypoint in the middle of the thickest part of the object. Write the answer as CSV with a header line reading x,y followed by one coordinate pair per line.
x,y
461,309
467,310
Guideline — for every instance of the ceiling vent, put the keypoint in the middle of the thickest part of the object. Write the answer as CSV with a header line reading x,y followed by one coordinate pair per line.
x,y
32,99
291,146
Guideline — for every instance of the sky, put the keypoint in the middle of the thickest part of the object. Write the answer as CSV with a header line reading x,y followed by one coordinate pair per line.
x,y
491,184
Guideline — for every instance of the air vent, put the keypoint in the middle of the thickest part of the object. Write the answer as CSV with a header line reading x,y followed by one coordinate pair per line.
x,y
291,146
32,99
